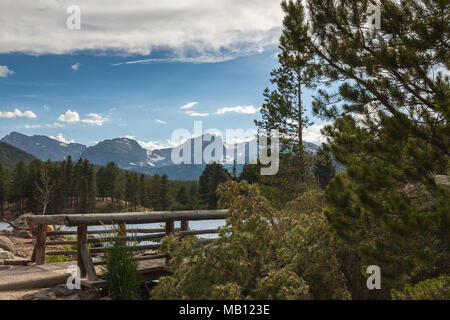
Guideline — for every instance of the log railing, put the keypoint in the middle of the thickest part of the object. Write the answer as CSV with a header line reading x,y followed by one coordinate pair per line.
x,y
82,221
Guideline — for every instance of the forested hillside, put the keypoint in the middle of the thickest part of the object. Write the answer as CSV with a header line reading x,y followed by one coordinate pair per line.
x,y
10,156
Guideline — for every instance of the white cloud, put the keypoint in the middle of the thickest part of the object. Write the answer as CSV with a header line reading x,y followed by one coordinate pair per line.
x,y
95,118
313,134
69,116
197,114
194,30
61,138
4,71
46,107
189,105
17,113
32,126
75,66
54,125
160,121
238,109
73,116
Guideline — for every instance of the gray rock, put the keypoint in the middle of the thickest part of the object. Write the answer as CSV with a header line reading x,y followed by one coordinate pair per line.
x,y
6,255
2,267
6,244
44,294
21,221
26,234
62,290
6,233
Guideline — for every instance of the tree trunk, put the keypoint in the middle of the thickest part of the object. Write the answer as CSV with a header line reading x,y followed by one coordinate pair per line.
x,y
300,132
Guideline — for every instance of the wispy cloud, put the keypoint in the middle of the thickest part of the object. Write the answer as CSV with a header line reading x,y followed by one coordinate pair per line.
x,y
54,125
17,113
160,121
196,114
4,72
189,105
32,126
238,109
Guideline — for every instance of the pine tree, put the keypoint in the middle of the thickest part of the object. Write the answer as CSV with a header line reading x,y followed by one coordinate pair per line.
x,y
181,196
3,189
213,175
164,199
390,127
284,108
18,189
324,169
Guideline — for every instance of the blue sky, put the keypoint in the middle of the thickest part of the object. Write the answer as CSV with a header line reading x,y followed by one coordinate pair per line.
x,y
126,80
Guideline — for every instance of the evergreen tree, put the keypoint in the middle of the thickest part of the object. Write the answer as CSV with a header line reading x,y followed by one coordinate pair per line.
x,y
18,189
181,196
213,175
250,173
3,189
284,108
164,199
324,169
390,127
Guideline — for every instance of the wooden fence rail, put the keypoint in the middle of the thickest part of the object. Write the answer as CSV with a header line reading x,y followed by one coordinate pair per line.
x,y
82,221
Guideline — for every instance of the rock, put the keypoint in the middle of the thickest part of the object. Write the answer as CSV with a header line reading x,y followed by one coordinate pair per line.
x,y
443,181
6,233
106,298
25,234
2,267
6,255
62,290
21,221
21,254
6,244
45,294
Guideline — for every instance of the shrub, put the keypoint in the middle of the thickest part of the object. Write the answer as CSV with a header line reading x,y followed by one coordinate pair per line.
x,y
431,289
121,272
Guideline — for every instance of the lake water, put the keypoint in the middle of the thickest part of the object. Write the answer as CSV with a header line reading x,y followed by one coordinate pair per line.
x,y
193,225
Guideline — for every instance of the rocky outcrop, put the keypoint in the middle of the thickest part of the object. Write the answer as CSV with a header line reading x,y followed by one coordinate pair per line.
x,y
4,255
6,244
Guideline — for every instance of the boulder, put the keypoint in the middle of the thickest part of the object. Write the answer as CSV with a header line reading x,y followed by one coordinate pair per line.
x,y
44,294
6,244
25,234
6,233
21,221
62,290
5,255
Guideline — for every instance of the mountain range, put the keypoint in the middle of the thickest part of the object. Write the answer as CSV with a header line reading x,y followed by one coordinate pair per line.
x,y
129,154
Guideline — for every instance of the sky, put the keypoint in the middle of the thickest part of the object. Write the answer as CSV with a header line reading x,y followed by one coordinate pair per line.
x,y
135,68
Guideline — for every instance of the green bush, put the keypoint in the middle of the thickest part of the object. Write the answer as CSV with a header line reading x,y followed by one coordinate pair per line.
x,y
121,272
431,289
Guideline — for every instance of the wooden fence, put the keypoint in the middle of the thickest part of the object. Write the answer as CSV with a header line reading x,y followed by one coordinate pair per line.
x,y
121,220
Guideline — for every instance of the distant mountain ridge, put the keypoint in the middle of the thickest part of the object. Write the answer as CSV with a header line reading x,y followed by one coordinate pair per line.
x,y
129,154
43,147
10,156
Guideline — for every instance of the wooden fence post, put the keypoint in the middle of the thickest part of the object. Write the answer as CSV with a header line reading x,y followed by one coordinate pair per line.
x,y
184,225
39,248
84,256
170,226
